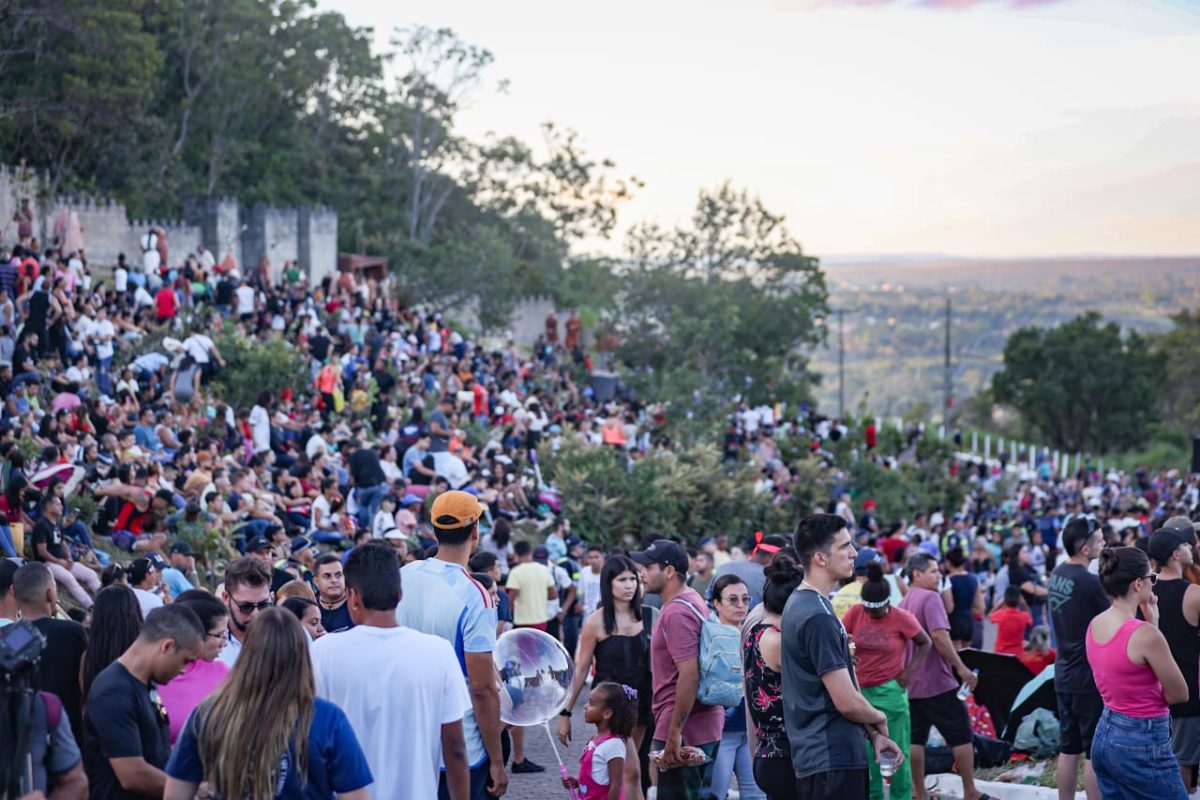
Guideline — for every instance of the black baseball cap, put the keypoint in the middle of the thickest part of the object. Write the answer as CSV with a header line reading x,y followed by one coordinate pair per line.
x,y
8,568
182,548
665,553
1165,541
257,545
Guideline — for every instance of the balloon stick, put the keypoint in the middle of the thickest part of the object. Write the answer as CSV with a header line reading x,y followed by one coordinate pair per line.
x,y
562,768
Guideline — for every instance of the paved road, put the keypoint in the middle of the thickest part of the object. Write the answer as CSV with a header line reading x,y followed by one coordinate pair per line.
x,y
548,785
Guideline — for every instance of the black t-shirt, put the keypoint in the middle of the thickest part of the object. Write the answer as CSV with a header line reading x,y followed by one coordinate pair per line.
x,y
123,721
337,619
225,290
66,642
1075,599
365,469
815,643
319,347
50,534
1018,577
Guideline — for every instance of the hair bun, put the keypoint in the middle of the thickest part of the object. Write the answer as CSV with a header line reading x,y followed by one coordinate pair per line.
x,y
1109,561
783,570
874,572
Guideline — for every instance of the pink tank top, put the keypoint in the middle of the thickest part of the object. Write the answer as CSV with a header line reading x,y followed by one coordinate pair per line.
x,y
1127,688
588,789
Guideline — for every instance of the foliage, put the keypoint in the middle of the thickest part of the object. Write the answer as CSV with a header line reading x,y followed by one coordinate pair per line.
x,y
252,367
689,494
1084,385
1180,392
725,305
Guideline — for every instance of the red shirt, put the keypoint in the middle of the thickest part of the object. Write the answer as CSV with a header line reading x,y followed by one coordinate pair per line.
x,y
165,303
1037,661
880,645
1010,629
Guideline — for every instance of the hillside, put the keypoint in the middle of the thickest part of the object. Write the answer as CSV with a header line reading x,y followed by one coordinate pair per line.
x,y
894,339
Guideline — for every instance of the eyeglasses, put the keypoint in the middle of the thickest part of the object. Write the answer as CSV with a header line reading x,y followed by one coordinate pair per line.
x,y
1151,577
744,600
250,608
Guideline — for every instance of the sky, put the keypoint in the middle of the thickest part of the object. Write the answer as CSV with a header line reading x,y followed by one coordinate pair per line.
x,y
979,128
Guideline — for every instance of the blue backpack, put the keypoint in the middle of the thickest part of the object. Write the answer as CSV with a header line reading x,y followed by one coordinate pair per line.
x,y
720,661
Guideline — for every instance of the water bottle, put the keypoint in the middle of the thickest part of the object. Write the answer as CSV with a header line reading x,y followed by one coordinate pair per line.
x,y
964,691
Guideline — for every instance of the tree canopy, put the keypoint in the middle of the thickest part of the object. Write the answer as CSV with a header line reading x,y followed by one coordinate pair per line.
x,y
1085,385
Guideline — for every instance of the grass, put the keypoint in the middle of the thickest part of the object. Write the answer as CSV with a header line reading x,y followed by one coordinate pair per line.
x,y
1048,778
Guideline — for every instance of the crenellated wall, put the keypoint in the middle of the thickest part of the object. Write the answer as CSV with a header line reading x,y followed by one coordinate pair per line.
x,y
307,235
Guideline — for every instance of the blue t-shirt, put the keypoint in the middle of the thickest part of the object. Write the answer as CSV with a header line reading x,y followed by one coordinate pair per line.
x,y
177,583
335,761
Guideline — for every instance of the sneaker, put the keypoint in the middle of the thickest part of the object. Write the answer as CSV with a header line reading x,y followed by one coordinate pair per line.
x,y
526,766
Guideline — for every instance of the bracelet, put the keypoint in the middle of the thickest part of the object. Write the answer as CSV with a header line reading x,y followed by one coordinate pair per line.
x,y
564,713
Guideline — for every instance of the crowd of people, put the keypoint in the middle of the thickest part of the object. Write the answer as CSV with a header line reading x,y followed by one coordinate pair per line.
x,y
302,598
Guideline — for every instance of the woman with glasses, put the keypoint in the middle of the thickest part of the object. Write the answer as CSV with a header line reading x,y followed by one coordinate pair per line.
x,y
731,601
1137,678
264,733
202,676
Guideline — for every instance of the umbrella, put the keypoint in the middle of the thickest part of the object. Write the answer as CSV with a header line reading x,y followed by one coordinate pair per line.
x,y
68,473
1037,693
1001,678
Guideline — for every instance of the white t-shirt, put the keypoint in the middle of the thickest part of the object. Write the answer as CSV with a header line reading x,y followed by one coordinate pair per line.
x,y
103,332
605,751
198,346
260,429
327,517
398,688
589,589
121,279
245,299
148,600
151,260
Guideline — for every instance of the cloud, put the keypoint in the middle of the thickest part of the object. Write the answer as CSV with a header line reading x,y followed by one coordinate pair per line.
x,y
951,5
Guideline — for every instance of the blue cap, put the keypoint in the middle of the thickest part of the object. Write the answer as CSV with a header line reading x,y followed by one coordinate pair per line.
x,y
866,556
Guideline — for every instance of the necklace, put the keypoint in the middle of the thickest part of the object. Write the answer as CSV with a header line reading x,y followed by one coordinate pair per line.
x,y
811,587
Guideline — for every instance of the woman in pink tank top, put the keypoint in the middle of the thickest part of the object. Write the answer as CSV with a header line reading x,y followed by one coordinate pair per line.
x,y
1138,679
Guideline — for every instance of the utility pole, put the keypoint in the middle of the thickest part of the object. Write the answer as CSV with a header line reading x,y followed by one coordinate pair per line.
x,y
947,397
841,315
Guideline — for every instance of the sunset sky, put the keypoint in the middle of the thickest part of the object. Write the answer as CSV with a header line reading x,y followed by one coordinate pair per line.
x,y
965,127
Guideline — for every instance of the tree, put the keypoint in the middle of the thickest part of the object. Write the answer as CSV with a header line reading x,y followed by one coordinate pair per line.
x,y
1180,392
1085,385
727,304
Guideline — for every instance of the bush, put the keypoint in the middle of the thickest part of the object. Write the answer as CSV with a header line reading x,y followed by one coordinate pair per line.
x,y
252,367
689,494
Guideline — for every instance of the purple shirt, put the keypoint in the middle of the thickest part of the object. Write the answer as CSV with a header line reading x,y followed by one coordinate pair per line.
x,y
933,676
181,696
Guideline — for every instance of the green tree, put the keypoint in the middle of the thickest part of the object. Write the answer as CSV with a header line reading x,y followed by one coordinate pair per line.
x,y
1085,385
726,304
1180,392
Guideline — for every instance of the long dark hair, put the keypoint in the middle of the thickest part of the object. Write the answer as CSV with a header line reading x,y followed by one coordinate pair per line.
x,y
501,533
614,566
116,622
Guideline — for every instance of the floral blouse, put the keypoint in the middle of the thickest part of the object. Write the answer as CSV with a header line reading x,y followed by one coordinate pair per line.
x,y
764,694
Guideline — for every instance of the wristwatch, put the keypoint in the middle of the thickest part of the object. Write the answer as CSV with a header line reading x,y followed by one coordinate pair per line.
x,y
564,713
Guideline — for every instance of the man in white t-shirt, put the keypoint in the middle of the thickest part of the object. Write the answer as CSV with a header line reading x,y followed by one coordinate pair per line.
x,y
143,579
103,334
589,579
402,691
245,297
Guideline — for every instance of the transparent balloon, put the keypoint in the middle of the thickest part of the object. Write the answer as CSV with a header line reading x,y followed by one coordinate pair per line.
x,y
535,676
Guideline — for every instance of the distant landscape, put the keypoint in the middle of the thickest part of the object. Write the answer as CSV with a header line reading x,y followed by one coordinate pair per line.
x,y
894,337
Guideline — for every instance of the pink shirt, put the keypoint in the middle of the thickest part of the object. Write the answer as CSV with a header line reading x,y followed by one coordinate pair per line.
x,y
676,638
1127,688
182,695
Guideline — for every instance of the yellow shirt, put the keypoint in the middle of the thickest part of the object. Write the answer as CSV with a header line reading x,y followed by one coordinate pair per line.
x,y
532,581
848,595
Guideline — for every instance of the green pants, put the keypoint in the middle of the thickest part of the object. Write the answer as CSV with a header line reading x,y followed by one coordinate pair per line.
x,y
892,700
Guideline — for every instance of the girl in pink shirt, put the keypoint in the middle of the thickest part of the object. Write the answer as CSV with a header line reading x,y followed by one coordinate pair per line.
x,y
181,696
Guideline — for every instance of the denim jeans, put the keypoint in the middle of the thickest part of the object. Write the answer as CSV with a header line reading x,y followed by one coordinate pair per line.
x,y
734,756
1133,758
368,499
6,542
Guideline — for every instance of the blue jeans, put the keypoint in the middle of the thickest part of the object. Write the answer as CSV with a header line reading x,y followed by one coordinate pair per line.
x,y
369,499
78,532
734,756
326,537
6,542
1133,758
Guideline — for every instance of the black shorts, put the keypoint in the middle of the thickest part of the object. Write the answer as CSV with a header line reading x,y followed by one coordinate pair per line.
x,y
838,784
1078,714
945,711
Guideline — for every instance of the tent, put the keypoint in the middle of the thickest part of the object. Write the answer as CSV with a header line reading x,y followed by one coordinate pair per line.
x,y
1037,693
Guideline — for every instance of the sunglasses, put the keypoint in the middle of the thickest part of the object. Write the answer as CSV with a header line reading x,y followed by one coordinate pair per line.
x,y
250,608
1151,577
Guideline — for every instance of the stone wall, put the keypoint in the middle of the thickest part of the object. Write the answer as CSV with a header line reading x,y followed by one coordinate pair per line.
x,y
307,235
